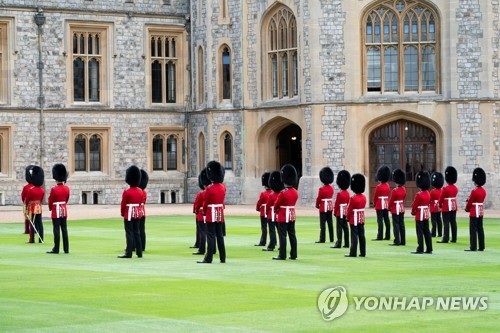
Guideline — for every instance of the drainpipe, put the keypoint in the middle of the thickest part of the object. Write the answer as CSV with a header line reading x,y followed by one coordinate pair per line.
x,y
40,21
188,103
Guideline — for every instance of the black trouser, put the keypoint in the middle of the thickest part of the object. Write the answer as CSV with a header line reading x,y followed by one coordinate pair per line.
x,y
59,225
325,218
342,228
197,241
383,218
215,233
437,224
133,236
476,231
398,224
423,234
142,230
358,234
201,228
450,220
263,231
37,221
272,234
284,229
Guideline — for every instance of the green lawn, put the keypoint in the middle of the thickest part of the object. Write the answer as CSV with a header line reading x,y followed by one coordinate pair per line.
x,y
90,290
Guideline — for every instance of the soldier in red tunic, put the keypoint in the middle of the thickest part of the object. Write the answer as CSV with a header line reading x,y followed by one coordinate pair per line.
x,y
381,202
437,181
397,207
276,186
213,210
475,207
356,216
420,209
285,210
58,199
142,222
261,207
33,203
201,227
448,204
340,208
324,202
130,209
25,190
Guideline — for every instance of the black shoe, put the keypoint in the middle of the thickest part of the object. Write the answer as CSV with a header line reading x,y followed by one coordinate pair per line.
x,y
291,258
469,250
203,262
376,239
453,241
267,249
387,238
481,250
362,255
222,261
125,256
442,241
193,247
66,252
428,252
198,252
417,252
394,244
52,251
278,258
346,246
319,241
139,256
259,244
349,255
335,247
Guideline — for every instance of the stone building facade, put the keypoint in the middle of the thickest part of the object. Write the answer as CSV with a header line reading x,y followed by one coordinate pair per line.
x,y
253,84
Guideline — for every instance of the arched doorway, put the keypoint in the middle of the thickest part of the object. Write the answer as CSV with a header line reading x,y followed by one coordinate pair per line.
x,y
402,144
289,147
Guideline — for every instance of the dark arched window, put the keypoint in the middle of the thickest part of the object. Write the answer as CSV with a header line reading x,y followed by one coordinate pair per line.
x,y
228,151
171,153
158,152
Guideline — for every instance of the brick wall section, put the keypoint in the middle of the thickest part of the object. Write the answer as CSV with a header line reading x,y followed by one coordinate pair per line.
x,y
252,48
333,123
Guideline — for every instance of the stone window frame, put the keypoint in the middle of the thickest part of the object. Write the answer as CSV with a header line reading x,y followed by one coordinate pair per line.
x,y
224,17
223,47
104,29
6,44
104,133
5,151
201,76
222,149
201,151
165,132
179,33
400,9
281,82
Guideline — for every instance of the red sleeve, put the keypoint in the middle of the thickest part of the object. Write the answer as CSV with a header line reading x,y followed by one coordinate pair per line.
x,y
470,200
51,198
123,205
260,202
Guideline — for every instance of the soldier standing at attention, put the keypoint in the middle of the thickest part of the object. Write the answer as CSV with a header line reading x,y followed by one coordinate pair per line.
x,y
276,186
437,181
340,208
448,204
58,199
397,207
420,209
285,210
356,216
201,226
142,222
130,209
25,190
324,202
381,202
213,209
261,207
33,203
475,207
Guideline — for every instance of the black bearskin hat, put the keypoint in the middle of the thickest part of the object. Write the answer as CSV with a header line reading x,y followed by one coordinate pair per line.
x,y
289,175
437,180
479,176
450,175
27,174
423,180
326,175
59,173
203,179
383,174
133,176
343,179
265,179
215,172
144,179
358,183
398,176
275,182
37,175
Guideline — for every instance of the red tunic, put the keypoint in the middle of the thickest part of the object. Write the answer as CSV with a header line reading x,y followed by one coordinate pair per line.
x,y
324,201
434,204
448,198
381,197
420,206
285,205
130,207
198,205
58,198
213,203
341,202
475,202
397,200
24,192
356,209
262,202
271,213
33,200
